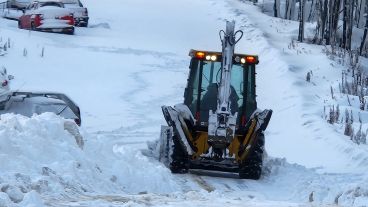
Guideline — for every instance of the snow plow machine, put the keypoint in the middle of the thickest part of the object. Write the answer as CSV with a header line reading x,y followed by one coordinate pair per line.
x,y
218,127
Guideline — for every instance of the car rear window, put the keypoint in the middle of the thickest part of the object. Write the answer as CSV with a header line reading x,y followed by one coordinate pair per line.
x,y
56,4
70,1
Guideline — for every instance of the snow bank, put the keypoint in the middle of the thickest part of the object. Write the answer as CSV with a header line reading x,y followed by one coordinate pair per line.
x,y
38,156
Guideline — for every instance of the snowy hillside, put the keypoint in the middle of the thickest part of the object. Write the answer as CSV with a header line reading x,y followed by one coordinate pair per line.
x,y
131,60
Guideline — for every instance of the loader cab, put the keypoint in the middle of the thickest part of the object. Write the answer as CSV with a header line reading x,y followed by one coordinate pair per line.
x,y
202,87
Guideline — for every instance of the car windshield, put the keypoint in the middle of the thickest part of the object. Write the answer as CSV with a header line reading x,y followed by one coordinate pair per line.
x,y
55,4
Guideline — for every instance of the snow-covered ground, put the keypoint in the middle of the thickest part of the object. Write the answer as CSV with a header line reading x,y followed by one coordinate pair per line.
x,y
133,59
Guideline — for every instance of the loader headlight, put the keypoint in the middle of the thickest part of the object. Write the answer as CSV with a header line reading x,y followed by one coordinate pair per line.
x,y
211,57
243,60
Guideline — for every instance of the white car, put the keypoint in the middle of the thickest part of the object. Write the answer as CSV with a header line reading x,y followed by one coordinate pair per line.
x,y
79,11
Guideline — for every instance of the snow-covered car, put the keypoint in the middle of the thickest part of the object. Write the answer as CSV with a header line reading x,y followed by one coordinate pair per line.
x,y
79,11
48,16
30,103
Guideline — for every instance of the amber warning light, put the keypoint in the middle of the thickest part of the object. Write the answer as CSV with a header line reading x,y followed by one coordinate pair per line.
x,y
200,55
251,59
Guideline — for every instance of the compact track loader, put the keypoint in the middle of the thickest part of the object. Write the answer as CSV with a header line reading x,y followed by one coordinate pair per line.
x,y
218,127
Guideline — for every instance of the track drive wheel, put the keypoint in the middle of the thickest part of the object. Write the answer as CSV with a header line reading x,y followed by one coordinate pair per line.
x,y
251,168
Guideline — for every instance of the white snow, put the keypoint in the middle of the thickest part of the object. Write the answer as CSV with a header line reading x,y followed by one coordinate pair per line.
x,y
133,59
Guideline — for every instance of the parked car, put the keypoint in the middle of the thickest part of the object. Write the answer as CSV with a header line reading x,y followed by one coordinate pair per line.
x,y
18,4
30,103
79,11
48,16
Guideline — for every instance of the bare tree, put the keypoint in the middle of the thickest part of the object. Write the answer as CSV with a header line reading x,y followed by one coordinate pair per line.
x,y
364,43
359,12
287,9
321,8
334,22
276,8
311,11
348,24
345,22
290,9
301,20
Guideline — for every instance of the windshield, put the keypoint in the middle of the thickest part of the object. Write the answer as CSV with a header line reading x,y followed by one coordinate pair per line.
x,y
203,85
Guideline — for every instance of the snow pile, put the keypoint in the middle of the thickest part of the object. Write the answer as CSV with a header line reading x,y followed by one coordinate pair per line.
x,y
318,188
38,155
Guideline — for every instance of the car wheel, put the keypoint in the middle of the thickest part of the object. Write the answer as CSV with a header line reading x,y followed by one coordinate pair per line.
x,y
71,32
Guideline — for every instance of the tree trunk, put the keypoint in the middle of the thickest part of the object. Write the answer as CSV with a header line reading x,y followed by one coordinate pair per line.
x,y
321,22
292,12
311,12
358,12
364,43
317,35
301,20
350,25
335,14
329,22
287,9
345,22
276,8
325,18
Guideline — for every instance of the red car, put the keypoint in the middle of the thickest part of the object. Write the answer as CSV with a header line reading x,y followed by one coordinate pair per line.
x,y
48,16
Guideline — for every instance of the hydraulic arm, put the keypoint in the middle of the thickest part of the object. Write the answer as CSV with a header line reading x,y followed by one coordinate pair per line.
x,y
222,122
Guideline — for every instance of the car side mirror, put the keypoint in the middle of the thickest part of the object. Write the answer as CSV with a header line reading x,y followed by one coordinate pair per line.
x,y
11,77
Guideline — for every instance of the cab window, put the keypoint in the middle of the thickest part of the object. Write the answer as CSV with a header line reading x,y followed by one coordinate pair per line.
x,y
202,90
